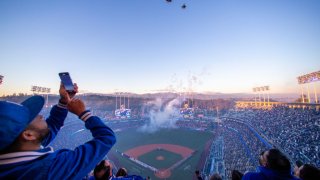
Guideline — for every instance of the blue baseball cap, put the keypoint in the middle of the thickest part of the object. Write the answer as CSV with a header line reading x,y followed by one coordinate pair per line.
x,y
14,118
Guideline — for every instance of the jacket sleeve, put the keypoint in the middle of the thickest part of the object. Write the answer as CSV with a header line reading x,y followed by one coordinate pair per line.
x,y
252,175
79,162
55,121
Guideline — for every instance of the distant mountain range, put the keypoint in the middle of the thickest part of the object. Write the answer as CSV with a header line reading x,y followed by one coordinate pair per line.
x,y
290,97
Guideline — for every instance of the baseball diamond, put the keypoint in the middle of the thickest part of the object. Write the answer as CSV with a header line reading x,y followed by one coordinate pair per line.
x,y
160,158
163,154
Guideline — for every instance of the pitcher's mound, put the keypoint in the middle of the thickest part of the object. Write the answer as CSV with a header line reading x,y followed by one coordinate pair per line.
x,y
160,158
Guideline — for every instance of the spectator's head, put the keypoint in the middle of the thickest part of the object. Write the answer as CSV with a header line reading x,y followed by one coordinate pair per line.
x,y
122,172
236,175
309,172
215,177
275,160
262,159
20,124
197,172
297,165
103,170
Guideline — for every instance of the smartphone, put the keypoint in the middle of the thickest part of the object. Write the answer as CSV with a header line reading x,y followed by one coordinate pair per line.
x,y
66,81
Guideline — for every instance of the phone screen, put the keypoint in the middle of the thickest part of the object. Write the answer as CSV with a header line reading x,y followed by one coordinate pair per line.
x,y
66,81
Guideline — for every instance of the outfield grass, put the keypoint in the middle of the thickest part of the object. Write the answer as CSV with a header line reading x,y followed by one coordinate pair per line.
x,y
132,138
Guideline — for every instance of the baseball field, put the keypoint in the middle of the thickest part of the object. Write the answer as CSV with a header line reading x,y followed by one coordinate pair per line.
x,y
164,154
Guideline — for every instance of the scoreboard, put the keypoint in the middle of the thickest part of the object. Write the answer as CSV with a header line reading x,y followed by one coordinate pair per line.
x,y
187,112
308,78
123,113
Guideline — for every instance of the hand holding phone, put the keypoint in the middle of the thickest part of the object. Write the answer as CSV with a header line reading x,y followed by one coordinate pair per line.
x,y
67,82
67,89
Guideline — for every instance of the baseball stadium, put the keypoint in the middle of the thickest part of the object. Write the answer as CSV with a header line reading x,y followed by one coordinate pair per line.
x,y
160,90
174,140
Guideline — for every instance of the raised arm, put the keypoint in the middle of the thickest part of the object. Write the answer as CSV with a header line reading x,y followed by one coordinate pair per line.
x,y
58,114
78,163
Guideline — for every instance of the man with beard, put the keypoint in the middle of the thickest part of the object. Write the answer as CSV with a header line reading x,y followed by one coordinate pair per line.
x,y
24,136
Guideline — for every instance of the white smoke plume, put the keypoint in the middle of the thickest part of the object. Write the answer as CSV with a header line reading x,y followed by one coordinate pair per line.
x,y
189,83
162,116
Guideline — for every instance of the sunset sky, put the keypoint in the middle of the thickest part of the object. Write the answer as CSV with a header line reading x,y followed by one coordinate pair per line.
x,y
139,46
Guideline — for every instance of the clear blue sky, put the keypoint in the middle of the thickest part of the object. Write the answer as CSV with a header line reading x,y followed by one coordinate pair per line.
x,y
141,46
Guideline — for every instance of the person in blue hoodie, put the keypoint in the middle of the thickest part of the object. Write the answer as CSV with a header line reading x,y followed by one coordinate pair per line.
x,y
273,165
25,136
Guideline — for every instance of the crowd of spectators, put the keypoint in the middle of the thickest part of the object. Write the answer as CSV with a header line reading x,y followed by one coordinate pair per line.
x,y
294,130
254,143
248,133
241,147
215,160
235,153
193,124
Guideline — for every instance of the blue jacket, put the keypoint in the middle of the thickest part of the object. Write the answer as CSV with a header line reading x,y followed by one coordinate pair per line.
x,y
267,174
129,177
64,163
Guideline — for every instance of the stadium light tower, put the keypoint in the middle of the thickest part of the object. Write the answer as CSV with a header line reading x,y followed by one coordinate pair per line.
x,y
264,95
116,100
307,79
302,95
120,95
264,90
41,90
120,99
1,79
254,92
257,89
267,88
315,93
128,101
124,99
125,104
